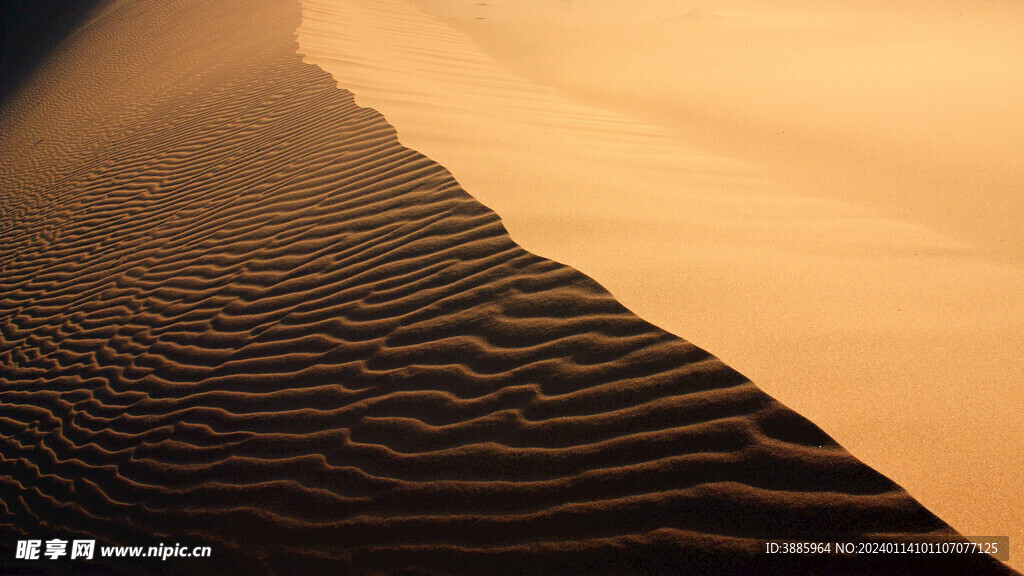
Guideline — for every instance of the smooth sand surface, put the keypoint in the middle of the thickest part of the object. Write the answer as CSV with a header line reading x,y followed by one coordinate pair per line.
x,y
236,312
826,197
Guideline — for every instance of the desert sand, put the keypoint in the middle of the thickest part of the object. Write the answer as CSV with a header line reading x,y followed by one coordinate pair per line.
x,y
824,195
236,311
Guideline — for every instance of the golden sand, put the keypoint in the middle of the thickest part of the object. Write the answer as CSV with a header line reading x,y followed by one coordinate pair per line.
x,y
825,198
236,310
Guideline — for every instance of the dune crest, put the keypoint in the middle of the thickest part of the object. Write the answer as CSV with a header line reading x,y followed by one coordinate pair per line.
x,y
235,311
861,315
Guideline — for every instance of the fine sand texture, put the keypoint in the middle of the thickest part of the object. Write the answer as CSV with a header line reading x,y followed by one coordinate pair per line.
x,y
826,195
235,311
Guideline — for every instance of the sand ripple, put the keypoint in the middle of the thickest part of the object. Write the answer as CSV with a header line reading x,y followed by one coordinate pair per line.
x,y
235,311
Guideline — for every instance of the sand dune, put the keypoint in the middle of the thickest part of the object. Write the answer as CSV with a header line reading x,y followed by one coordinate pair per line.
x,y
821,194
235,311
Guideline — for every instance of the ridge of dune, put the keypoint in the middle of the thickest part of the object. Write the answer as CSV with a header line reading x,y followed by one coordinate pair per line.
x,y
236,312
901,339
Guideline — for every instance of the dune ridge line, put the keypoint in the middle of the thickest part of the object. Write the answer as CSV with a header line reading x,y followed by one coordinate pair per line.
x,y
235,311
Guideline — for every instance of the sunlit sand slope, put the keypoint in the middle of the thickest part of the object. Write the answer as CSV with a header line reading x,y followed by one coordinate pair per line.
x,y
234,311
815,192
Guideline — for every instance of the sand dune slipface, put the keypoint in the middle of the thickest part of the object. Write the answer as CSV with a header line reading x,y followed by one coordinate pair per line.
x,y
236,312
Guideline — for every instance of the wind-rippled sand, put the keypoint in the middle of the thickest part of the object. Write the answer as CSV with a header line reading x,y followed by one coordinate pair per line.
x,y
236,312
823,194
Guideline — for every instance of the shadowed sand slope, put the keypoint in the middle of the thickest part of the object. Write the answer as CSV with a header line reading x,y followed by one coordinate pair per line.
x,y
234,311
833,293
858,316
